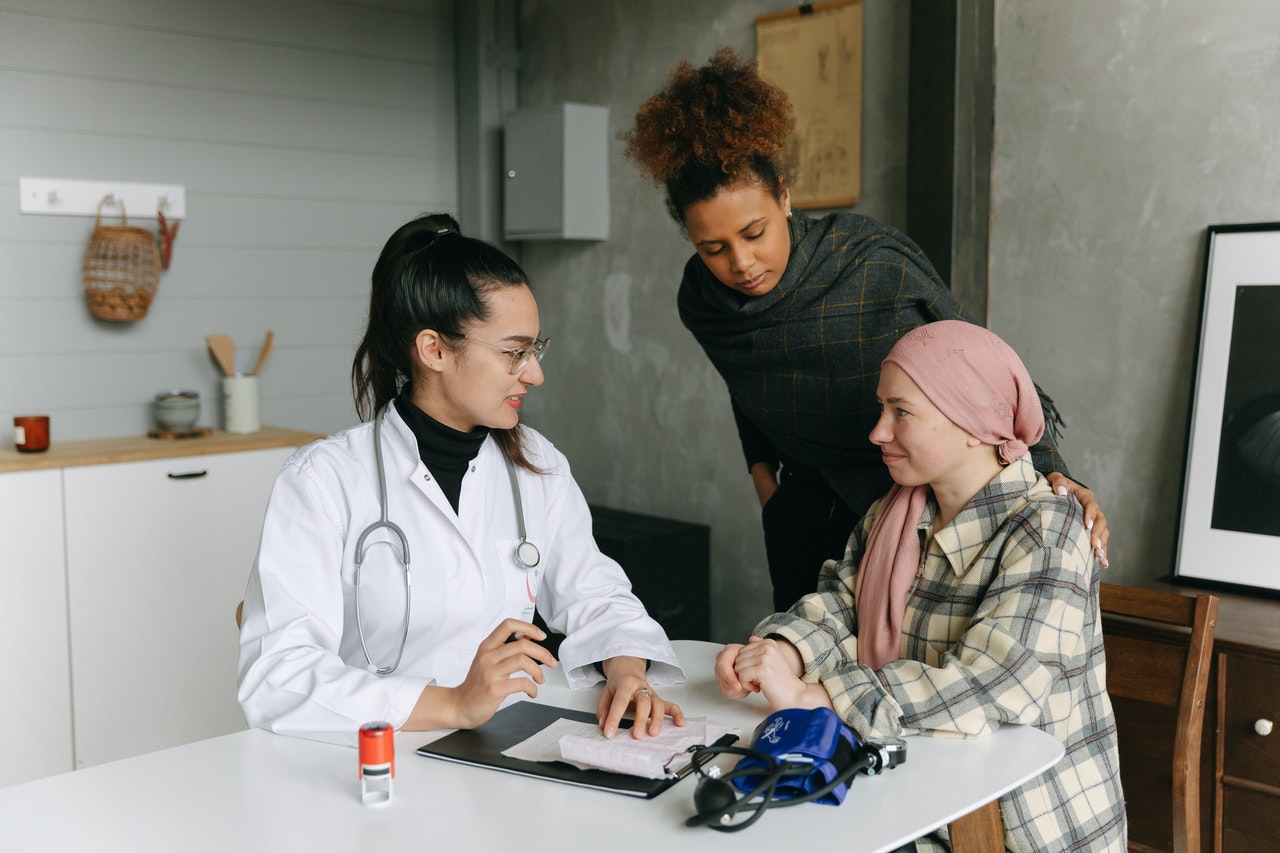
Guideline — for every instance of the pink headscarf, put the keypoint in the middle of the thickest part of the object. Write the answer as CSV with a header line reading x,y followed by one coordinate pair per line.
x,y
981,385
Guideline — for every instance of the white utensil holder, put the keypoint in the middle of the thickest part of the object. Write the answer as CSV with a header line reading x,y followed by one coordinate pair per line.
x,y
240,403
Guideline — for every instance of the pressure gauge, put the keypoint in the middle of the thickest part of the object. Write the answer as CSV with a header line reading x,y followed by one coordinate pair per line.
x,y
893,751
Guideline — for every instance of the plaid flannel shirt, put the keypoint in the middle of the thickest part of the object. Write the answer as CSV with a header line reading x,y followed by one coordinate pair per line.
x,y
1002,628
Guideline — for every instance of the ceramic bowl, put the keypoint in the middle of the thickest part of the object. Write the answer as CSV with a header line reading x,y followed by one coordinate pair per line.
x,y
176,410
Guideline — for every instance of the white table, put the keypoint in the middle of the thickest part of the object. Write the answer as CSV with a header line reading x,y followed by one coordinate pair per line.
x,y
256,791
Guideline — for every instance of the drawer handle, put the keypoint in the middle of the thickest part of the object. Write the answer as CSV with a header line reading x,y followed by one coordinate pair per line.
x,y
189,475
1262,727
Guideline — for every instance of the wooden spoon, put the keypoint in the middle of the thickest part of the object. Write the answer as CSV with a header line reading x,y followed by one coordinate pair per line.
x,y
224,352
266,351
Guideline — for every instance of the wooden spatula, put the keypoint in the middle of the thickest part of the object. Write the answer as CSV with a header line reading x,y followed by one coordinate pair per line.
x,y
224,352
266,351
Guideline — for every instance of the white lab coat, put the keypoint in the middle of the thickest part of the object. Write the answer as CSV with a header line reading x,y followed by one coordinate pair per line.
x,y
302,670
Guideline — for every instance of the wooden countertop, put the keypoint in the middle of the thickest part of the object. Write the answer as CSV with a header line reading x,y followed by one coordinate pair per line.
x,y
1245,622
70,454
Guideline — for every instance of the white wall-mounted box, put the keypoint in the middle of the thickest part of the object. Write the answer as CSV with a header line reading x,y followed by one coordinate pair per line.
x,y
556,164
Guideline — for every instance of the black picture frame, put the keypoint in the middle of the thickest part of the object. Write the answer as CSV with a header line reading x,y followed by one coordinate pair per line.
x,y
1229,530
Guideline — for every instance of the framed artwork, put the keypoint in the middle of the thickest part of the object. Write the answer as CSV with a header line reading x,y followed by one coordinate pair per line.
x,y
813,52
1230,524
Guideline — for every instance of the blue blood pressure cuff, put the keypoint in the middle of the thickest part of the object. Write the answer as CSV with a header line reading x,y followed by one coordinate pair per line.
x,y
796,756
801,738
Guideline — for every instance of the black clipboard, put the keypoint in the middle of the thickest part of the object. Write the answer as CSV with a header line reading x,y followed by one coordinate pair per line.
x,y
483,746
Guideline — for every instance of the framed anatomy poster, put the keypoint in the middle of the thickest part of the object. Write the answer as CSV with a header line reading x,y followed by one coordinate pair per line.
x,y
814,53
1230,526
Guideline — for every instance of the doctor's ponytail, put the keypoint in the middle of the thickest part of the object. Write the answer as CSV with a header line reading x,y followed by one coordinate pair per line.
x,y
428,276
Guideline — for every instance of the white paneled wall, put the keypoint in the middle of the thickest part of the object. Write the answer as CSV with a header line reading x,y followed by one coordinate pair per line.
x,y
304,131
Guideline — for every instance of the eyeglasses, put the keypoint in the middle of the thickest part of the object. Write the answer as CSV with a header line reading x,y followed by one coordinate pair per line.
x,y
519,357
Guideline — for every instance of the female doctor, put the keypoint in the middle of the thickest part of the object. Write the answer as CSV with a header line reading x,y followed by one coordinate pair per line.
x,y
443,487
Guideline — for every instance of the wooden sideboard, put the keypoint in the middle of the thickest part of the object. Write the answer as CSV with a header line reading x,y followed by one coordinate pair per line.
x,y
1240,766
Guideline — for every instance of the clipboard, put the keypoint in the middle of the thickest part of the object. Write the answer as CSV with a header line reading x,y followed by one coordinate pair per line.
x,y
483,746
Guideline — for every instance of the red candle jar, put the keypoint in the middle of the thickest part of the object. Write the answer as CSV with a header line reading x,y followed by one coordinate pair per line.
x,y
31,433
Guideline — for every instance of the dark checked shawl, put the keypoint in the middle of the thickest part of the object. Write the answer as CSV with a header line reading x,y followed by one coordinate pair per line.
x,y
802,362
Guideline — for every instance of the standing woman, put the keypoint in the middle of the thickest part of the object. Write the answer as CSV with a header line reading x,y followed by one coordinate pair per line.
x,y
446,483
795,313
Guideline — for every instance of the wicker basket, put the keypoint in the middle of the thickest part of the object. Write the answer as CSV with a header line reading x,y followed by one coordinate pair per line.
x,y
121,269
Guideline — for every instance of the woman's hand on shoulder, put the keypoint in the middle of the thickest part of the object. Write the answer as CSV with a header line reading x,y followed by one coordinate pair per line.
x,y
1095,521
627,687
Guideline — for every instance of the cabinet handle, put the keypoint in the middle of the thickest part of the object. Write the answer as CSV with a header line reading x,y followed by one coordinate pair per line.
x,y
1262,727
189,475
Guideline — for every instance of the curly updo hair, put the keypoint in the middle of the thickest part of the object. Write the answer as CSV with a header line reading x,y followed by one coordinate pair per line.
x,y
710,128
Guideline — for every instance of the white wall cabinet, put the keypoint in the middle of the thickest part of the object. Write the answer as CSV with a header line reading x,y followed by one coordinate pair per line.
x,y
556,159
35,711
124,561
158,553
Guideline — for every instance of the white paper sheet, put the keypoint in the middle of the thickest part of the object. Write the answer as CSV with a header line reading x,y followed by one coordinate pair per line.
x,y
583,745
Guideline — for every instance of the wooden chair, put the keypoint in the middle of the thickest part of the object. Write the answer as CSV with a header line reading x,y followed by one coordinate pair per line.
x,y
1159,646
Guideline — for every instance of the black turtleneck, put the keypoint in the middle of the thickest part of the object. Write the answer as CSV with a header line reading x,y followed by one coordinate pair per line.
x,y
444,450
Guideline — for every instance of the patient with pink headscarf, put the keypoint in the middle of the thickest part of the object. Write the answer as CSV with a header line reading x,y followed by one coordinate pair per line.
x,y
967,596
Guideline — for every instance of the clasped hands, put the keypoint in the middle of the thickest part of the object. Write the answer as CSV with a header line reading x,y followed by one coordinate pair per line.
x,y
769,666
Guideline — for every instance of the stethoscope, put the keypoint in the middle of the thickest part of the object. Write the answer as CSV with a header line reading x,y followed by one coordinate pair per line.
x,y
526,555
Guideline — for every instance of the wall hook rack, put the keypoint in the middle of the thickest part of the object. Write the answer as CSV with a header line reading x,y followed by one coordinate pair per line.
x,y
65,197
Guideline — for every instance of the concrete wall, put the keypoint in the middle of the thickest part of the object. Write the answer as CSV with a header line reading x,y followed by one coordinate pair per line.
x,y
630,397
304,131
1123,129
